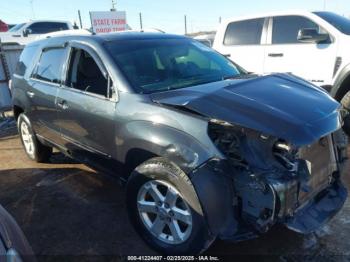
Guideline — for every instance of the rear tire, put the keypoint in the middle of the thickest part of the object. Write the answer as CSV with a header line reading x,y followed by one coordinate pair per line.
x,y
34,149
174,205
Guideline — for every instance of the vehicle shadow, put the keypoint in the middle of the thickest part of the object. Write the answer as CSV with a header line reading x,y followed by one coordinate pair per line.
x,y
59,158
276,245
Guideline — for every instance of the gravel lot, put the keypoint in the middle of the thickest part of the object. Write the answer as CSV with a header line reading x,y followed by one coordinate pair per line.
x,y
67,209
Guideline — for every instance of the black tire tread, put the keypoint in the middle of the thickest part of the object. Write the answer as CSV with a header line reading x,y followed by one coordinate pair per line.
x,y
345,102
42,152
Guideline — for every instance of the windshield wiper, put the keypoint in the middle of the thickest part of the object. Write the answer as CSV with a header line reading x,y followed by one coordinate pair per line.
x,y
232,76
239,76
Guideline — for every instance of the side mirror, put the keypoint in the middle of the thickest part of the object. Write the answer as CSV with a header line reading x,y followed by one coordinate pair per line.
x,y
311,35
27,32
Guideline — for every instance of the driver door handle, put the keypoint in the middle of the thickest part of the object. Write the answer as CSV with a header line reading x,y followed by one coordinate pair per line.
x,y
30,94
276,54
63,104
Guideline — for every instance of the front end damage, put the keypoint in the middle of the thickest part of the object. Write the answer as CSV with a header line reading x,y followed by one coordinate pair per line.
x,y
279,154
272,181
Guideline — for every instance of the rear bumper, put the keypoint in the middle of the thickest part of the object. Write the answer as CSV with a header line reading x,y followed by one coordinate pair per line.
x,y
319,210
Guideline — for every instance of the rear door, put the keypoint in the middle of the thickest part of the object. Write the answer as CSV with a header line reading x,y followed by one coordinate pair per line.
x,y
243,42
311,61
86,108
44,83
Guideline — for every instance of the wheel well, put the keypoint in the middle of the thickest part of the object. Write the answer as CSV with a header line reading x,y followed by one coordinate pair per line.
x,y
17,111
135,157
343,89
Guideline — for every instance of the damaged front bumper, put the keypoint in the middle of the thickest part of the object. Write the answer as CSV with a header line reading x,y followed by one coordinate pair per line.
x,y
319,210
241,204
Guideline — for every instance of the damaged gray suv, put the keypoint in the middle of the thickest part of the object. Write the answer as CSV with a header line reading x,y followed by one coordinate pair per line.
x,y
205,149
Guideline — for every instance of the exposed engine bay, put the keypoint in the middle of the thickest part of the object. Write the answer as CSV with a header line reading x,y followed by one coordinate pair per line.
x,y
274,179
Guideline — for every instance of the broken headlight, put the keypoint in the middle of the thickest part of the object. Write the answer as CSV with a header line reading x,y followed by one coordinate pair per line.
x,y
227,139
247,147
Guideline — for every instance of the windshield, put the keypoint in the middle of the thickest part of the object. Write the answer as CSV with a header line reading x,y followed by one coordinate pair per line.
x,y
155,65
16,27
340,22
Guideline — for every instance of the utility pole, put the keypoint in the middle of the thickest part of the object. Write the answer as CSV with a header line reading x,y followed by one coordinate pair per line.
x,y
80,21
32,6
185,25
114,3
141,27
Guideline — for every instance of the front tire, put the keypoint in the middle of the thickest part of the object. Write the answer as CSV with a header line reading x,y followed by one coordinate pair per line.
x,y
345,102
165,211
34,149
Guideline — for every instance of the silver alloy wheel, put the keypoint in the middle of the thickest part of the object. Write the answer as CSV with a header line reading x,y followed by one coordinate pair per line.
x,y
164,212
27,138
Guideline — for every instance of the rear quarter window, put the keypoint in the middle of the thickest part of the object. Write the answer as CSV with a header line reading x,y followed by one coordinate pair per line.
x,y
25,60
247,32
49,67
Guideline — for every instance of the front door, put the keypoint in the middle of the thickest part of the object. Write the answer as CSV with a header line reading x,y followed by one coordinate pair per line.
x,y
311,61
86,113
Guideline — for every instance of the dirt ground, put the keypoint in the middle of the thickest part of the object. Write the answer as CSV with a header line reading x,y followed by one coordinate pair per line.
x,y
66,209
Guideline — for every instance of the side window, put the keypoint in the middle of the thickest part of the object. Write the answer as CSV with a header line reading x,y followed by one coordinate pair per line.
x,y
286,28
84,74
47,27
246,32
25,60
49,67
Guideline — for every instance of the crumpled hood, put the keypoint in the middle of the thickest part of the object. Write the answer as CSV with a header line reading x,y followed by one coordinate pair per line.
x,y
280,105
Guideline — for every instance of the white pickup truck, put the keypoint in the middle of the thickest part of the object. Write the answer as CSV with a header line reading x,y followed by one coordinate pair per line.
x,y
24,33
312,45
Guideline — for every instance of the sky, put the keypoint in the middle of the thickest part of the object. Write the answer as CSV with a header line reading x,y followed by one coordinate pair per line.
x,y
162,14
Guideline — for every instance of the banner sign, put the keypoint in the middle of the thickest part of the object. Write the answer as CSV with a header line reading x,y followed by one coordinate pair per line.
x,y
108,22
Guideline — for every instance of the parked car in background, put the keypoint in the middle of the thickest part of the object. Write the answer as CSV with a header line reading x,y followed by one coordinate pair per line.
x,y
25,33
204,148
3,26
312,45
